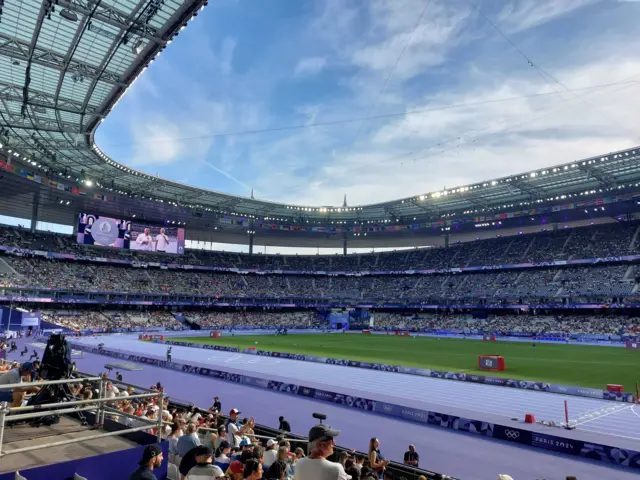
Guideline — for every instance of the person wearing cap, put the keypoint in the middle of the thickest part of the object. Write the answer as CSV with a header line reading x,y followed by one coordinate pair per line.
x,y
270,453
13,376
411,457
151,459
204,468
316,466
504,476
235,470
234,431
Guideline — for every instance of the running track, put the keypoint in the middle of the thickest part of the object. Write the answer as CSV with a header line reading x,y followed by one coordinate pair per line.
x,y
602,417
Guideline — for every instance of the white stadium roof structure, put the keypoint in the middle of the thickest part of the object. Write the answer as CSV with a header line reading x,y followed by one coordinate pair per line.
x,y
64,64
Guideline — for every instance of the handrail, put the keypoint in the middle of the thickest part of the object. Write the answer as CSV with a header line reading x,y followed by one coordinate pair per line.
x,y
99,405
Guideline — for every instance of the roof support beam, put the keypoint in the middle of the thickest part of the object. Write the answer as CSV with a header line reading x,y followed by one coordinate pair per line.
x,y
19,50
529,189
606,180
37,98
424,205
111,16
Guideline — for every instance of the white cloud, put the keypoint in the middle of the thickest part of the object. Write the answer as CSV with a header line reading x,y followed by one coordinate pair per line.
x,y
310,66
523,14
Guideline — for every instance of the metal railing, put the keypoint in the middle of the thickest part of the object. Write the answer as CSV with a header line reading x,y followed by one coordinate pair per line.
x,y
99,406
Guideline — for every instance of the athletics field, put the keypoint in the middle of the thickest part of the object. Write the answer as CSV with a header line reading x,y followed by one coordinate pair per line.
x,y
588,366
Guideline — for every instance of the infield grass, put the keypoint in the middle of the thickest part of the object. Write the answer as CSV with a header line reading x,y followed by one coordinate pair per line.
x,y
587,366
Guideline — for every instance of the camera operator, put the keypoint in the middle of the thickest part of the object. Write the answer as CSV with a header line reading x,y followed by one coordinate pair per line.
x,y
16,396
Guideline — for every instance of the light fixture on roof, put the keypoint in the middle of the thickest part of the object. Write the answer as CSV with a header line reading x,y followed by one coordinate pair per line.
x,y
137,48
68,15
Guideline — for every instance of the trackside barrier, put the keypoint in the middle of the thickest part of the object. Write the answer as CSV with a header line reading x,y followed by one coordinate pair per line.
x,y
425,372
594,451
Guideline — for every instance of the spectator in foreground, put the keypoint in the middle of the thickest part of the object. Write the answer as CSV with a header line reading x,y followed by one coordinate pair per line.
x,y
252,470
204,468
316,466
151,459
411,457
188,441
277,471
270,453
376,460
14,376
235,470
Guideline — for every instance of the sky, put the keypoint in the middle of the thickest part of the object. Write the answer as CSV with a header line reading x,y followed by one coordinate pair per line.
x,y
306,101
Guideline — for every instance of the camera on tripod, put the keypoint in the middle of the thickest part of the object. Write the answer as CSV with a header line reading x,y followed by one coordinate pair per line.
x,y
56,365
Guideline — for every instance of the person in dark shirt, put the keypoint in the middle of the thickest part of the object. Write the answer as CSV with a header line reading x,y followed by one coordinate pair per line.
x,y
411,457
217,405
284,425
151,459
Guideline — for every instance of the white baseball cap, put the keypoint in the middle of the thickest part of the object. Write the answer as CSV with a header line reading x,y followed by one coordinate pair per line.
x,y
504,476
271,442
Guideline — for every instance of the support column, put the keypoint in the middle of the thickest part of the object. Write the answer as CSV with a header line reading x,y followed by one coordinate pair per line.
x,y
251,235
446,241
344,246
35,208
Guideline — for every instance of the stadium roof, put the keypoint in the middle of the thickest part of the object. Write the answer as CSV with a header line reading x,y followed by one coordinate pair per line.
x,y
65,64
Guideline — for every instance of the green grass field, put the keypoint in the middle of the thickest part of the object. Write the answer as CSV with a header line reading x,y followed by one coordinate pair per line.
x,y
587,366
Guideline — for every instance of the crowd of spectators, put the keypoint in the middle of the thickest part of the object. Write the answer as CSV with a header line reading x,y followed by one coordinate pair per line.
x,y
541,324
266,319
602,325
106,321
604,281
598,241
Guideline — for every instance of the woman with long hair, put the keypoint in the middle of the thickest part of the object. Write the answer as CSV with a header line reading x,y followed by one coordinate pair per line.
x,y
220,457
376,460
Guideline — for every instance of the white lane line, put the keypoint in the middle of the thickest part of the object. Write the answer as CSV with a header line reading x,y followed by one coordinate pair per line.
x,y
601,416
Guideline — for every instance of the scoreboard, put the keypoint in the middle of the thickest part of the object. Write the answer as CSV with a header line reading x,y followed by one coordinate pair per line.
x,y
493,363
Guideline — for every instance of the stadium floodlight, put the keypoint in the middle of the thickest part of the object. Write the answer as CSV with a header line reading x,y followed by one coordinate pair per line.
x,y
69,15
88,183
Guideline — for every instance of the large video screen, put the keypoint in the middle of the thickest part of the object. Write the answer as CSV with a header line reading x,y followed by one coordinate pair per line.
x,y
118,233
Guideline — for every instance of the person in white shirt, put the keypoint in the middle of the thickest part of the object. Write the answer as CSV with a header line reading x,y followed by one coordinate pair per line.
x,y
162,241
316,466
144,239
234,431
271,453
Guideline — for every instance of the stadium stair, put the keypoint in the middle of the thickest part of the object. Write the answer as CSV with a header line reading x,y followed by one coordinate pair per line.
x,y
632,245
6,268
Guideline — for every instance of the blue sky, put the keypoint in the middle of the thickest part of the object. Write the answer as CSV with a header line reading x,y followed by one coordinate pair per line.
x,y
454,102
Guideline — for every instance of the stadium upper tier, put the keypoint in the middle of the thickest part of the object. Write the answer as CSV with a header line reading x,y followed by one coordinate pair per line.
x,y
65,64
607,280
